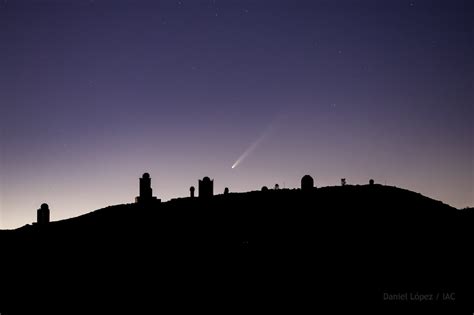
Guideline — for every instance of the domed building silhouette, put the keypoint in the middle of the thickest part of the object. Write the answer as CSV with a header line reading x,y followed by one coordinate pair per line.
x,y
43,214
146,193
206,187
307,183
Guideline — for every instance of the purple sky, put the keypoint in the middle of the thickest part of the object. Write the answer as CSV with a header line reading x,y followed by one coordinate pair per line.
x,y
95,92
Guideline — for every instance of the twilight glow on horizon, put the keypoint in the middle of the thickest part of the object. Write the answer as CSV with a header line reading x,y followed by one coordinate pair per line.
x,y
93,93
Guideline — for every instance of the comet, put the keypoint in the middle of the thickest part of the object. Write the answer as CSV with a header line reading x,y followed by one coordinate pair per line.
x,y
254,145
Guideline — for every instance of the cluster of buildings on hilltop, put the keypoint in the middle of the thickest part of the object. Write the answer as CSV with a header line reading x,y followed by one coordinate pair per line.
x,y
205,190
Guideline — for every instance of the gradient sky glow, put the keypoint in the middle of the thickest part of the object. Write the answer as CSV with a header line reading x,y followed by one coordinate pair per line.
x,y
95,92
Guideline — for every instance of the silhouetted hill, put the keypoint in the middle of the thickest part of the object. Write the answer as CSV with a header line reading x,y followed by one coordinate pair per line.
x,y
332,245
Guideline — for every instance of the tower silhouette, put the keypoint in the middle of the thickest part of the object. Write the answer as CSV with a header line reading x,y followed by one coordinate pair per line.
x,y
43,214
191,190
206,187
146,193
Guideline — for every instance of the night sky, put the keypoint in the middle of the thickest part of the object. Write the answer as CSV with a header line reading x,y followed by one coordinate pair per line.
x,y
95,92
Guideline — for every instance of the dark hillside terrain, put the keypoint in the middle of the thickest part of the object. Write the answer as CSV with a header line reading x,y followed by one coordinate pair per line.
x,y
336,246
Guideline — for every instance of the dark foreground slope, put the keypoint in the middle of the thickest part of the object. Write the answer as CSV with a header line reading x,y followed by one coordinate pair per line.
x,y
352,246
